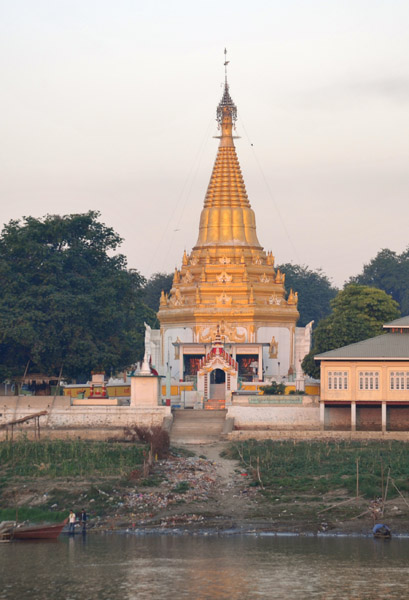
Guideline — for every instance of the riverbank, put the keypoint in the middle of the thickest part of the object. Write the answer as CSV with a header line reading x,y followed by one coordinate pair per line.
x,y
202,489
232,500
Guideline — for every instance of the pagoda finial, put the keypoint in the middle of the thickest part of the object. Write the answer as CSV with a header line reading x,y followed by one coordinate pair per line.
x,y
226,105
226,62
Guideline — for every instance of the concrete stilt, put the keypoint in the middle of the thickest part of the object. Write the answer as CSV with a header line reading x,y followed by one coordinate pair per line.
x,y
322,416
383,416
353,416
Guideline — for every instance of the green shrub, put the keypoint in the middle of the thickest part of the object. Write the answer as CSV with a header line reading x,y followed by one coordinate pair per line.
x,y
181,488
273,389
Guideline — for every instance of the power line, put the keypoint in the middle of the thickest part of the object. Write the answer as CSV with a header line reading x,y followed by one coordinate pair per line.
x,y
271,195
190,177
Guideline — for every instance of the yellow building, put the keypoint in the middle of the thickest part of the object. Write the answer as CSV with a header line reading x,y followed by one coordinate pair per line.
x,y
366,385
228,318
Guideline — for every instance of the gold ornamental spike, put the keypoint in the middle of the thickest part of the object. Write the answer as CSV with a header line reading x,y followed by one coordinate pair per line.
x,y
162,298
227,219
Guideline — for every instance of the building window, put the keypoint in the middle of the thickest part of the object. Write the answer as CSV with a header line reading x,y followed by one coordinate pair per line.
x,y
337,380
399,380
369,380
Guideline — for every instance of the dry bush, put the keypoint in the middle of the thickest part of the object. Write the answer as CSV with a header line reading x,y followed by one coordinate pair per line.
x,y
156,437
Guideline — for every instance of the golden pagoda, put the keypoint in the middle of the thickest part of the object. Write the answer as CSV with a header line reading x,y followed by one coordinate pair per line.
x,y
227,291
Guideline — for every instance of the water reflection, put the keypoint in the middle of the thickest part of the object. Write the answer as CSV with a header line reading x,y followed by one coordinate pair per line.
x,y
150,567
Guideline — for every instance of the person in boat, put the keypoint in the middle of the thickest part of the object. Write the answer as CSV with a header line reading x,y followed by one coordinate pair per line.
x,y
381,530
83,520
71,521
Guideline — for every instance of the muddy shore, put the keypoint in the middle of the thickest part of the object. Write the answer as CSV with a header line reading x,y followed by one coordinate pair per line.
x,y
198,491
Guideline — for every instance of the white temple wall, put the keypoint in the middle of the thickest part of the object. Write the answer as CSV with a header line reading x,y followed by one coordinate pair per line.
x,y
302,346
185,334
283,338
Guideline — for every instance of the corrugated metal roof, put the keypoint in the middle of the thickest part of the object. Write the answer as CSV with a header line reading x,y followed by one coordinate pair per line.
x,y
402,322
386,346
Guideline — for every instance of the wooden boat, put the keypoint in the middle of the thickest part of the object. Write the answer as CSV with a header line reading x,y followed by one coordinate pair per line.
x,y
383,536
38,532
381,531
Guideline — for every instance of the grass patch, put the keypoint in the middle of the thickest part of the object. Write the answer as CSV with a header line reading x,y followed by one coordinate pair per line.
x,y
60,458
32,514
315,468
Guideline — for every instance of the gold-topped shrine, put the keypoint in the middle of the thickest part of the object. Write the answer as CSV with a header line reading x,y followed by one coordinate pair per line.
x,y
228,285
227,277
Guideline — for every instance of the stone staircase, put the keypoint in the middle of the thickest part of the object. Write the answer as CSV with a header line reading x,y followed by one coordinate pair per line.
x,y
197,426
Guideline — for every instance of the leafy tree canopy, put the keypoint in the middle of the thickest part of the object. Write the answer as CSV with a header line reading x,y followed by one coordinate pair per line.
x,y
153,288
315,291
66,300
388,271
358,313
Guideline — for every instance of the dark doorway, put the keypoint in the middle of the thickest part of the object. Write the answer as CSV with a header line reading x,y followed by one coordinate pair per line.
x,y
248,365
191,363
217,376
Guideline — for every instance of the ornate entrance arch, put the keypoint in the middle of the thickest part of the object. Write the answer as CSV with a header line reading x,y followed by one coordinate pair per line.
x,y
217,384
217,374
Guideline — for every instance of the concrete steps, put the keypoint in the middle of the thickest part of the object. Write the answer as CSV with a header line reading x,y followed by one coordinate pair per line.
x,y
197,426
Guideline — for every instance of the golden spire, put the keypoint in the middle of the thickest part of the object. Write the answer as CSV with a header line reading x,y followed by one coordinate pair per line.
x,y
227,275
227,218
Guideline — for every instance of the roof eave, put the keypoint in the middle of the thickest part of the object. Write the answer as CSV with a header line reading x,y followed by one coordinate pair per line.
x,y
361,357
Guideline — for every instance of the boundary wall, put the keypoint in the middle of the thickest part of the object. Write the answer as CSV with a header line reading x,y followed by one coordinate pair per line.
x,y
308,435
275,413
87,422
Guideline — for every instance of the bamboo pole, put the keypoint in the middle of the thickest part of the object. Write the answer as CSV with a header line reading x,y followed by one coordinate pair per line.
x,y
357,477
399,492
55,393
361,515
338,504
26,369
386,490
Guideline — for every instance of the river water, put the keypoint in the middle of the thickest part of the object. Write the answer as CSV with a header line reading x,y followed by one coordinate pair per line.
x,y
126,566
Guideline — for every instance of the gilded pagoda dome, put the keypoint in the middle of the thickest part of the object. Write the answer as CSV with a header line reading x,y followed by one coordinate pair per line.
x,y
227,281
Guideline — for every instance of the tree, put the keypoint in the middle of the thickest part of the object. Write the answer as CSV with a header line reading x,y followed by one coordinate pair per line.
x,y
358,313
315,291
153,288
388,271
65,300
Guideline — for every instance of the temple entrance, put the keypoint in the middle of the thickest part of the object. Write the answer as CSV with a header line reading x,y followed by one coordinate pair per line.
x,y
218,384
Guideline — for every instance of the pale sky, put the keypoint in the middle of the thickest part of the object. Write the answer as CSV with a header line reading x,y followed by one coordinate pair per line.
x,y
111,106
